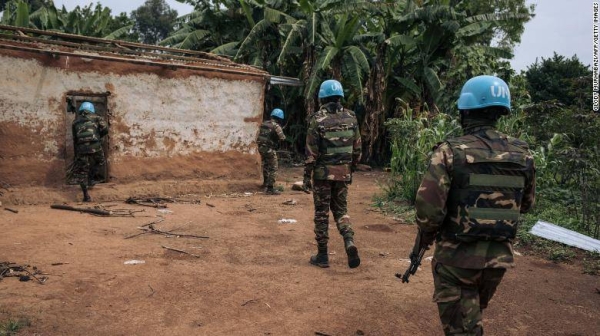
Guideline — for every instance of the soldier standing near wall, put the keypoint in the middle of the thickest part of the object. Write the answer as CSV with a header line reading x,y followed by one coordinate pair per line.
x,y
268,142
333,149
469,202
88,131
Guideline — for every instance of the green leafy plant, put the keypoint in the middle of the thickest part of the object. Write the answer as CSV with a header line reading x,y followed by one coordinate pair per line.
x,y
412,139
11,327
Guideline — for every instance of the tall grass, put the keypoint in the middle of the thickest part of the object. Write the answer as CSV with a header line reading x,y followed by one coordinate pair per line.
x,y
412,138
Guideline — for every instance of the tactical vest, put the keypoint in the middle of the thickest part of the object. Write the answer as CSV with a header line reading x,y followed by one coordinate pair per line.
x,y
337,132
267,137
488,181
85,130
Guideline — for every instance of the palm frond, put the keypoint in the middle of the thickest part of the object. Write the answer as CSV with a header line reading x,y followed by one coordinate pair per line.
x,y
401,41
325,57
193,39
292,37
253,36
409,84
177,37
227,49
474,28
118,33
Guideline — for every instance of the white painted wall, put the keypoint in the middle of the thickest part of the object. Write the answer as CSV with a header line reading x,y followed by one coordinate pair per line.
x,y
152,117
171,109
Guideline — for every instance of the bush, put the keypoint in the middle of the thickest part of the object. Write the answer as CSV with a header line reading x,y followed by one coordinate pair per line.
x,y
412,139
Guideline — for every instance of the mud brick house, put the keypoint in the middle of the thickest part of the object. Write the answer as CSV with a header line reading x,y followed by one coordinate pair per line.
x,y
173,114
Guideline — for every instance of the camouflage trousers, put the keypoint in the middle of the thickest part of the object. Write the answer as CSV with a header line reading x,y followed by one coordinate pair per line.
x,y
462,294
334,195
269,165
87,167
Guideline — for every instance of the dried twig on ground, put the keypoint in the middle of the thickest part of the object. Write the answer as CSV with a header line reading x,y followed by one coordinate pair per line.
x,y
249,301
11,210
88,210
160,202
9,269
153,202
149,228
180,251
120,212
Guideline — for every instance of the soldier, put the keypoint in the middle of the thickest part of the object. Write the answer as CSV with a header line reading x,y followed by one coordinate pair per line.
x,y
333,149
268,141
88,131
469,202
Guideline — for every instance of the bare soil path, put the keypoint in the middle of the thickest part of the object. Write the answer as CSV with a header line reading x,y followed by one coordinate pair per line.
x,y
252,276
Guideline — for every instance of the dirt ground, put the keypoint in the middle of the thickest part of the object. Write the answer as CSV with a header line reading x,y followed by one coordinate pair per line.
x,y
252,276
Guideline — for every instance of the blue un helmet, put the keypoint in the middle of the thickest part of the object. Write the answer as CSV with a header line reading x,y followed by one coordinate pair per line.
x,y
484,91
87,106
330,88
277,113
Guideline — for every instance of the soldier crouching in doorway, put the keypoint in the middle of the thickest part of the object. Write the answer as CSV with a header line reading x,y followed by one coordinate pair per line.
x,y
88,131
268,142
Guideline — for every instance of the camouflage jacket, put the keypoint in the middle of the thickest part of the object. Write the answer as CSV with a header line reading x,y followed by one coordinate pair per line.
x,y
88,131
471,195
269,135
333,143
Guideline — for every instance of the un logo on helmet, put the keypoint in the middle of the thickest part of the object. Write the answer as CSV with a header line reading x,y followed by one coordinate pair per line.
x,y
499,91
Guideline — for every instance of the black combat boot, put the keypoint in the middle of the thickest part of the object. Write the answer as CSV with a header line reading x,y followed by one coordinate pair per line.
x,y
86,196
352,252
321,259
272,191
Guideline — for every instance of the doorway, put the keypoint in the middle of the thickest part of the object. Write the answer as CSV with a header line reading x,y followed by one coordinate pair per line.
x,y
100,102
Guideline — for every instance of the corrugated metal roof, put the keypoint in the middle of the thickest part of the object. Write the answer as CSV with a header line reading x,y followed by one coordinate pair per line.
x,y
34,40
286,81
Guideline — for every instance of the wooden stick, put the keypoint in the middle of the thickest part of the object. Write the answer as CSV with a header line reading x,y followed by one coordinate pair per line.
x,y
11,210
88,210
180,251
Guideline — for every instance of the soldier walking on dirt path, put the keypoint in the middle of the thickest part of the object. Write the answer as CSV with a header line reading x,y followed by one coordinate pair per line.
x,y
333,149
88,131
469,203
268,142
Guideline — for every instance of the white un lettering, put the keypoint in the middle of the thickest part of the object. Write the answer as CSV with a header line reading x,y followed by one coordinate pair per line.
x,y
499,91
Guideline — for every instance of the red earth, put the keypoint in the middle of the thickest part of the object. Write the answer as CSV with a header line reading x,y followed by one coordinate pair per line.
x,y
252,276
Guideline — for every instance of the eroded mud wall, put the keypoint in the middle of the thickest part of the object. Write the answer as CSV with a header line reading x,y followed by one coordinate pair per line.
x,y
164,123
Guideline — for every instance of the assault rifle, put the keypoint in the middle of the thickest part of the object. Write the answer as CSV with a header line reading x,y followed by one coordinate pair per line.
x,y
415,259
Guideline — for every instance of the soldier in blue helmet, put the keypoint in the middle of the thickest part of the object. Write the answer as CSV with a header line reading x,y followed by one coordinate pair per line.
x,y
333,149
269,136
88,131
469,203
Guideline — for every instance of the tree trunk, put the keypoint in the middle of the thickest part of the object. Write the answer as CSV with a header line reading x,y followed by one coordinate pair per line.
x,y
372,126
309,63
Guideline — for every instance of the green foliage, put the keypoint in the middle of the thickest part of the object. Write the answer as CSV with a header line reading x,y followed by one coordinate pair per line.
x,y
556,78
12,327
412,138
591,264
153,20
90,20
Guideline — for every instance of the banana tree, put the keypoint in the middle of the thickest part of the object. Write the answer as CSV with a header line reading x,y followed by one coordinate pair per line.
x,y
16,13
216,28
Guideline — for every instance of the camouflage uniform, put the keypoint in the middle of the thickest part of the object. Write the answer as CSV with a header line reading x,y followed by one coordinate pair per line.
x,y
268,141
88,130
333,147
470,199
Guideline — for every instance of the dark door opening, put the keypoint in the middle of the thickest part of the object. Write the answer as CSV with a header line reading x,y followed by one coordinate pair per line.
x,y
100,102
